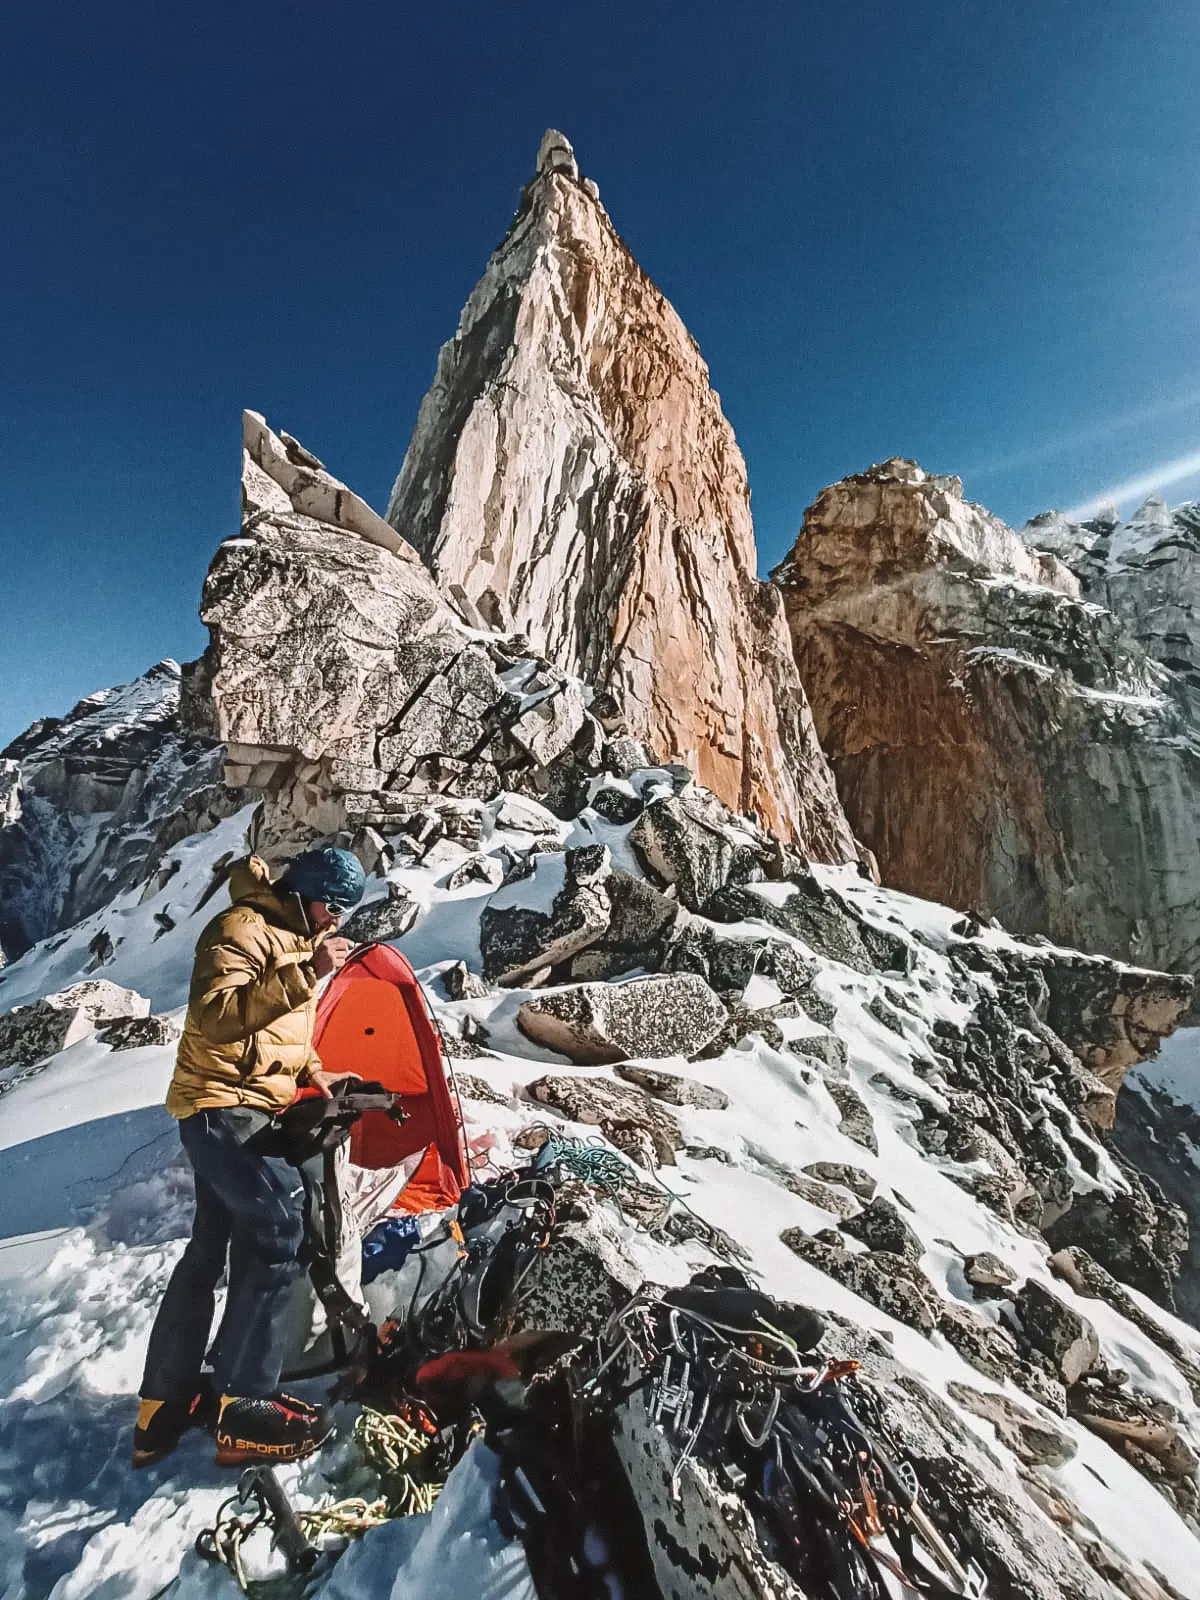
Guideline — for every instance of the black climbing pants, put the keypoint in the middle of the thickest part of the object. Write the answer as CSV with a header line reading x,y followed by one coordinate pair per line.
x,y
249,1211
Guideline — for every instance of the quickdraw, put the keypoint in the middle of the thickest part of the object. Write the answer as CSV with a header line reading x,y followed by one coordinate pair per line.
x,y
783,1433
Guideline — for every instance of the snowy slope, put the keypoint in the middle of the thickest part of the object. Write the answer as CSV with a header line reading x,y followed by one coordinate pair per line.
x,y
95,1206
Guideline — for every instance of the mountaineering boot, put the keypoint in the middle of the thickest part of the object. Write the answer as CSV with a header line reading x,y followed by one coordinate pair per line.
x,y
279,1428
162,1423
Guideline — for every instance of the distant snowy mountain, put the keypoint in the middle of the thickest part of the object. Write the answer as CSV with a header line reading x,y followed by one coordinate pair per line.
x,y
90,801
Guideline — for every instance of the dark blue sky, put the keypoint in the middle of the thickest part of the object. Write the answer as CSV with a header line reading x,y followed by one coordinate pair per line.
x,y
962,231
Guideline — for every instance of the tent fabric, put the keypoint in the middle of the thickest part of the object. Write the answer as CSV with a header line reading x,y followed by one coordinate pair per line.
x,y
373,1020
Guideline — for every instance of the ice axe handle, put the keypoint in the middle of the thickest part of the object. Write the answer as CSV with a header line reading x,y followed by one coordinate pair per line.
x,y
262,1484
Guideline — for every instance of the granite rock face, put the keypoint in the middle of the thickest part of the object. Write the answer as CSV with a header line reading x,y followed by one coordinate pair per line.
x,y
994,731
572,476
1146,572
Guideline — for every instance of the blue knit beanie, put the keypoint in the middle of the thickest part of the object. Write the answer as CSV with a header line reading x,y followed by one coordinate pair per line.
x,y
332,877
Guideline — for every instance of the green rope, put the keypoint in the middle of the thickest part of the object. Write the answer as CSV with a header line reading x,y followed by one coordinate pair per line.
x,y
593,1164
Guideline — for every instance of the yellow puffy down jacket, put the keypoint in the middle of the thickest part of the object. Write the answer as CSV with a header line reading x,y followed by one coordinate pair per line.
x,y
247,1040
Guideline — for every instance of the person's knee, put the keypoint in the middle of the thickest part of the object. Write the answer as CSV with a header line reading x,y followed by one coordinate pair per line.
x,y
276,1238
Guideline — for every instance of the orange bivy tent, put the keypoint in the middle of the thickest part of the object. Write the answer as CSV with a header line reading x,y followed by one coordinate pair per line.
x,y
373,1020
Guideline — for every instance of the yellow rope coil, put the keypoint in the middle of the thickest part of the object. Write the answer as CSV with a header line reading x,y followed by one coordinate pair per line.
x,y
394,1448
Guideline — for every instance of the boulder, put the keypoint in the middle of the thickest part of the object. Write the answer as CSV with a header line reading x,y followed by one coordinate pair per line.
x,y
826,1048
826,1196
687,841
988,1275
549,727
617,802
993,1351
30,1033
545,918
1058,1331
818,918
664,1015
520,814
478,868
729,963
856,1121
673,1088
396,914
134,1033
891,1283
986,1347
460,983
847,1177
880,1226
475,1088
640,925
1135,1425
617,1109
1034,1442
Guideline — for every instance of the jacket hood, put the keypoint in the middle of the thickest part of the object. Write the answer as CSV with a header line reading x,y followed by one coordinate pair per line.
x,y
250,885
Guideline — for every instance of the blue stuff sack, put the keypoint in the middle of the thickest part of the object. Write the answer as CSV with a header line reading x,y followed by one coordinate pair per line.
x,y
388,1246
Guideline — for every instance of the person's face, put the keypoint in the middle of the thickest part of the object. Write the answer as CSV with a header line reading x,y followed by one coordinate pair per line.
x,y
322,917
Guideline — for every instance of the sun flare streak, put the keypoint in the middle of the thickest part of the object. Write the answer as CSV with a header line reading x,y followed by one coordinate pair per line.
x,y
1159,477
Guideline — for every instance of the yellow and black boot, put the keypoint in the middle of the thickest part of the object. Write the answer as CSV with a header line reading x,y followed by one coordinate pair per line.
x,y
162,1423
277,1428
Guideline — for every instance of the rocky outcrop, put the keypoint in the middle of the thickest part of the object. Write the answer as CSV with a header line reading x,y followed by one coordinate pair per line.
x,y
994,732
31,1033
1110,1015
572,476
378,697
91,802
1159,1135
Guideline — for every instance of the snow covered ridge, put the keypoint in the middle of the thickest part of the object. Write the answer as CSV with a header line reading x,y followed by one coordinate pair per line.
x,y
879,1127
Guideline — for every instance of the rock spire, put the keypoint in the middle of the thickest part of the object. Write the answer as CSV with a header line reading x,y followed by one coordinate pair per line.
x,y
572,476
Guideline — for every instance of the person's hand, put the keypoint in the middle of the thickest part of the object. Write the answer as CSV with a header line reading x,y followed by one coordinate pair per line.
x,y
331,956
324,1081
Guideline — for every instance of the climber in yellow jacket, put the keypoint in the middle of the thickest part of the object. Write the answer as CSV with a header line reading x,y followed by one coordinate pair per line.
x,y
247,1046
